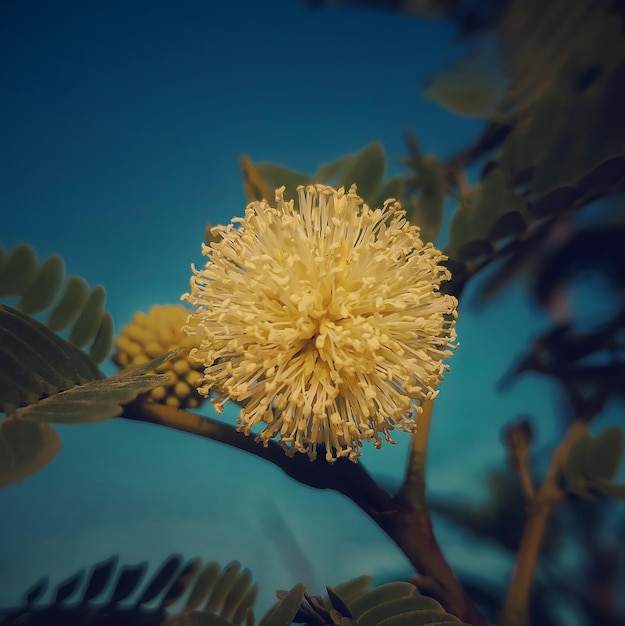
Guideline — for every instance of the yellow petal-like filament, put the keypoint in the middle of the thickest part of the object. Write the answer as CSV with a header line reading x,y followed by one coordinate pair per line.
x,y
325,321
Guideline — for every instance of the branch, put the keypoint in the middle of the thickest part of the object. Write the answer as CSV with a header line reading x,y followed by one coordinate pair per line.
x,y
515,610
408,526
412,491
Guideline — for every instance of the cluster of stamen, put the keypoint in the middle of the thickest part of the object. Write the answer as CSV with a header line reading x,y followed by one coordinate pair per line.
x,y
325,323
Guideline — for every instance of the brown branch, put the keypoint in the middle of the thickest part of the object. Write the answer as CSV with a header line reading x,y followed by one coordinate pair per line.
x,y
408,526
515,610
412,491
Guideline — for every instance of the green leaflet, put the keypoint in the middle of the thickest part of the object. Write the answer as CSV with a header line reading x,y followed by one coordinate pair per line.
x,y
603,456
473,86
42,287
591,464
59,384
354,604
107,589
378,595
203,585
18,271
364,169
412,604
367,172
34,361
26,447
99,399
228,595
283,612
495,212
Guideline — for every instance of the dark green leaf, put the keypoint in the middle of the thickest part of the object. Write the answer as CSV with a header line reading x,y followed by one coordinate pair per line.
x,y
510,224
86,327
490,203
333,173
474,249
244,609
34,361
460,230
283,612
101,576
572,468
276,176
427,212
128,582
237,594
68,309
67,588
26,447
161,579
181,583
222,587
99,399
353,587
606,135
472,86
397,606
561,164
602,455
103,341
36,591
392,189
44,288
610,490
420,618
203,586
380,594
338,603
367,172
18,272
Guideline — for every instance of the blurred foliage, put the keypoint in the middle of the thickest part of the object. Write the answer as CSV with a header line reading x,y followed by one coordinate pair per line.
x,y
188,593
366,170
56,383
108,596
591,465
354,604
42,286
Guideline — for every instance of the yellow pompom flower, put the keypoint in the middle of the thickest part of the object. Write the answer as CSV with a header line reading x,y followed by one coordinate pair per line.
x,y
324,322
153,334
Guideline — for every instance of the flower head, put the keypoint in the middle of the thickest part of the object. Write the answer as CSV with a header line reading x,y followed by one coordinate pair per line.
x,y
152,334
325,322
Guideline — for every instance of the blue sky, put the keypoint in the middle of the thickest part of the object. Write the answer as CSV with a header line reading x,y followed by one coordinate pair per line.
x,y
121,125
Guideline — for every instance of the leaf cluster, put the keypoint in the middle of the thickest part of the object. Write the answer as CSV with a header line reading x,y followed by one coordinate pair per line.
x,y
589,468
366,169
72,306
208,595
57,383
354,604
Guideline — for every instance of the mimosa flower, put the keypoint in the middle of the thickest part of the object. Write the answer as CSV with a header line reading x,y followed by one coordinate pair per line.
x,y
324,322
152,334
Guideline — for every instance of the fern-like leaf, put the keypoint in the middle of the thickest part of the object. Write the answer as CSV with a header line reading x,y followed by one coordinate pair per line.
x,y
391,604
41,287
230,597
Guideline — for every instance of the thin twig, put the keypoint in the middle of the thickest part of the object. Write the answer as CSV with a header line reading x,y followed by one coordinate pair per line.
x,y
515,610
412,492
